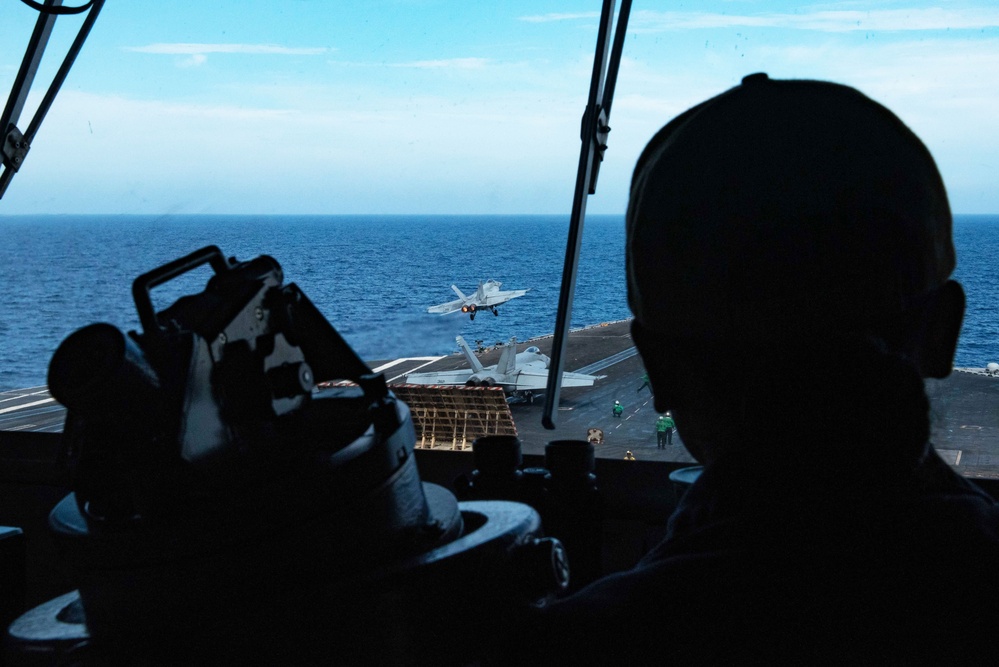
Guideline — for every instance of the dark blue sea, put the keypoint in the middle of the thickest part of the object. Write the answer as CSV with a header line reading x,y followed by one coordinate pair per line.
x,y
373,277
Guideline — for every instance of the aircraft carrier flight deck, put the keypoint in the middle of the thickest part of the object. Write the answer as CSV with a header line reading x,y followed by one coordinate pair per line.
x,y
965,420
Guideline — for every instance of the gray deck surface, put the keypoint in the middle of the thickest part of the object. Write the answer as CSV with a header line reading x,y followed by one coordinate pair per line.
x,y
965,406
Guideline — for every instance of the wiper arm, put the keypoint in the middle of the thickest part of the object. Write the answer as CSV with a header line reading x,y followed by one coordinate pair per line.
x,y
591,154
16,144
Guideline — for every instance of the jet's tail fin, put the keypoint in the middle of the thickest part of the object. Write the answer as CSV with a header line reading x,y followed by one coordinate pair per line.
x,y
480,292
459,293
473,361
508,360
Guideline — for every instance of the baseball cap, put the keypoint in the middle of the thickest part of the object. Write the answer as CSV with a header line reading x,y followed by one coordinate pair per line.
x,y
784,208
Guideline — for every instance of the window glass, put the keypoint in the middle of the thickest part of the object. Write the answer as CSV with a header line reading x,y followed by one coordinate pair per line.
x,y
385,151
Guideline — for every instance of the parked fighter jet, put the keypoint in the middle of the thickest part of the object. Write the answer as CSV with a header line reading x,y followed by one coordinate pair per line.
x,y
520,375
486,297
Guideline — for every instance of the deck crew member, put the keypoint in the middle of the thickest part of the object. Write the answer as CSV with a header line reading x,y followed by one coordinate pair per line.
x,y
664,431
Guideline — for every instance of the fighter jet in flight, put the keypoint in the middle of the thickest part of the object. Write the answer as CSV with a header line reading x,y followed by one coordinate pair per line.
x,y
486,297
520,375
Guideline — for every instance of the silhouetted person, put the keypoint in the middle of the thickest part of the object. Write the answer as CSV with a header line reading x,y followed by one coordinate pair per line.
x,y
810,244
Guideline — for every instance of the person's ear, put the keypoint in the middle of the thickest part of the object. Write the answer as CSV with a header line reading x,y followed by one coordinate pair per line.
x,y
942,328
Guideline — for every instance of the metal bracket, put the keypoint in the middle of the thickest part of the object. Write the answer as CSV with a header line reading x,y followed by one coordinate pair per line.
x,y
15,147
600,136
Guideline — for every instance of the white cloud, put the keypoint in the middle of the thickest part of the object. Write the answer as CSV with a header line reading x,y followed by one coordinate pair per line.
x,y
185,48
446,63
422,152
930,18
553,16
934,84
195,60
367,145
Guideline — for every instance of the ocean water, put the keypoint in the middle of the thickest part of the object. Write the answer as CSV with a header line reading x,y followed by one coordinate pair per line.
x,y
371,276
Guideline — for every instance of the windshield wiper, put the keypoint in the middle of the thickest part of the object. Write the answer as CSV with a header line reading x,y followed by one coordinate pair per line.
x,y
591,154
16,144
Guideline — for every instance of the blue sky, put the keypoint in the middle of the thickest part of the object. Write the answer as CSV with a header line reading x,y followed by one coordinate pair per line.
x,y
314,106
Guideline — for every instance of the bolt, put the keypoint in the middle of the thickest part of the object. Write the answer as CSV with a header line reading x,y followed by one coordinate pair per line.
x,y
259,312
222,337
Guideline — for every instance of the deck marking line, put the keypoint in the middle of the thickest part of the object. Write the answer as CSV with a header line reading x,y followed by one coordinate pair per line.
x,y
399,361
432,360
29,390
27,405
12,396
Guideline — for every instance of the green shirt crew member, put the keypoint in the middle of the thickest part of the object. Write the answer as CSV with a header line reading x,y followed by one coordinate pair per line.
x,y
664,430
618,409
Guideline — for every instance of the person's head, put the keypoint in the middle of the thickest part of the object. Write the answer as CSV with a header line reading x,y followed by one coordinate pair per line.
x,y
785,222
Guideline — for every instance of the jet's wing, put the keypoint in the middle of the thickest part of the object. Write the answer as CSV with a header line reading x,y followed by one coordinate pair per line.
x,y
578,379
446,378
450,306
499,298
445,308
536,379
